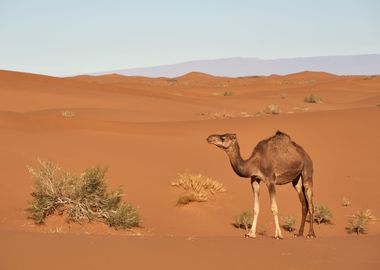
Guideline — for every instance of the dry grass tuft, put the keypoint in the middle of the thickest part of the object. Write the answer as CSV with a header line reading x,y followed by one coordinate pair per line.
x,y
346,202
197,187
358,222
80,198
68,114
272,109
312,98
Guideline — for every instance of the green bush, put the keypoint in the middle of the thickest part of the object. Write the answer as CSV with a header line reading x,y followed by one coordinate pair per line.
x,y
289,221
322,214
358,222
244,220
80,198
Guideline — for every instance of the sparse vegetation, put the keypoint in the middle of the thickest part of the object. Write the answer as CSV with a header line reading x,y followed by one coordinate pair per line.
x,y
312,98
322,214
172,81
346,202
80,198
358,222
243,220
68,114
272,109
197,187
289,221
228,94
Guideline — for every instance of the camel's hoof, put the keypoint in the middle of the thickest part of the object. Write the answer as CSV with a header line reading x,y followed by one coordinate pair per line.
x,y
249,235
311,235
277,238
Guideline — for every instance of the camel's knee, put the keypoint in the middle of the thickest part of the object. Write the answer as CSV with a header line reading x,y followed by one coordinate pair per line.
x,y
274,210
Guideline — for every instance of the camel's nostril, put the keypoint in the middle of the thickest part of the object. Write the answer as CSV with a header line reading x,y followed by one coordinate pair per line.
x,y
209,139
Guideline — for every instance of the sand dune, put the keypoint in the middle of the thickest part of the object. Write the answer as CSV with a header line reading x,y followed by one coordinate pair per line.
x,y
146,130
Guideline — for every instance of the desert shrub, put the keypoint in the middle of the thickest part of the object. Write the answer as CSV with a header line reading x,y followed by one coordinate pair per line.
x,y
228,94
68,114
197,187
123,217
79,198
346,202
358,222
322,214
272,109
244,220
312,98
289,221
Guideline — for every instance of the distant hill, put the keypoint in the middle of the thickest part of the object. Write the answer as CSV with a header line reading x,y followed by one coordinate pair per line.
x,y
234,67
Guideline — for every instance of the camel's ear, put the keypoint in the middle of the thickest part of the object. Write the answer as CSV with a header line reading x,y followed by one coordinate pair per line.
x,y
233,135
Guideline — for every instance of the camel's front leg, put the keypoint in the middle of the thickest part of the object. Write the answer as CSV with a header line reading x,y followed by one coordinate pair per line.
x,y
256,208
272,194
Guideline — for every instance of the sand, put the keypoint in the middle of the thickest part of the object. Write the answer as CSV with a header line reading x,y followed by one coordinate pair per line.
x,y
147,130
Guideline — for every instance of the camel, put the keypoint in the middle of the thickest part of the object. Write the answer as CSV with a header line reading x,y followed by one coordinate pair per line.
x,y
275,161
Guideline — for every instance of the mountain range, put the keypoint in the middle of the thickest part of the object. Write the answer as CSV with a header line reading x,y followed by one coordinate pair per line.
x,y
368,64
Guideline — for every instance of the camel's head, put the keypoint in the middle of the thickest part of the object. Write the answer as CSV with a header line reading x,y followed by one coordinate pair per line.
x,y
224,141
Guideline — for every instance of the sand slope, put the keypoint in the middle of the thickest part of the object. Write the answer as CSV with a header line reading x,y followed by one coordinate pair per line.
x,y
147,130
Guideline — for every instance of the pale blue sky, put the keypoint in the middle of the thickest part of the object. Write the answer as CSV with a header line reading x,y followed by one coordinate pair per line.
x,y
71,36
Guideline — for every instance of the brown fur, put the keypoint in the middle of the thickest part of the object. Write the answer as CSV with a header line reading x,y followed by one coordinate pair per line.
x,y
275,161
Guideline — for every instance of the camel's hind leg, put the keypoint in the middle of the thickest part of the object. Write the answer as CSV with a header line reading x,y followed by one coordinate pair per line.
x,y
307,182
297,184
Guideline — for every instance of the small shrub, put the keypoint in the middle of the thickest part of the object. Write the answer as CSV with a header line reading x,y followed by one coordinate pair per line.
x,y
272,109
289,221
123,217
79,198
312,98
358,222
244,220
346,202
68,114
322,214
197,187
228,94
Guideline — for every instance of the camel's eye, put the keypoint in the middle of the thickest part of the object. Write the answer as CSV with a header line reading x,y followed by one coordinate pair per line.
x,y
222,138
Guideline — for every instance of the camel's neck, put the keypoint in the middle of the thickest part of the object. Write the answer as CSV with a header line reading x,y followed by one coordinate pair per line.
x,y
240,166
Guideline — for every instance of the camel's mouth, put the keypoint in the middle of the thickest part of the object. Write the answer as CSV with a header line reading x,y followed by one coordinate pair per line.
x,y
213,139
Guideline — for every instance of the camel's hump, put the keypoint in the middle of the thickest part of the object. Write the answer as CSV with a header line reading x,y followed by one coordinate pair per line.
x,y
280,133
